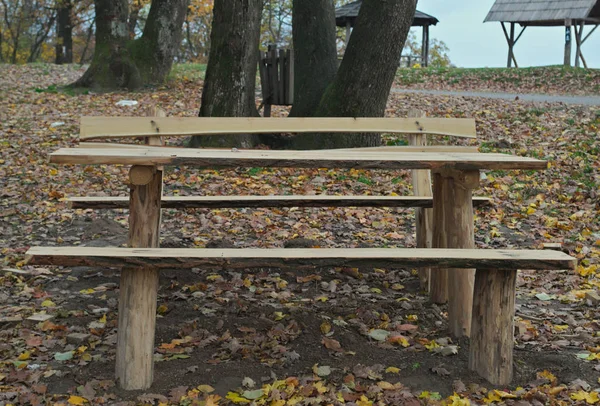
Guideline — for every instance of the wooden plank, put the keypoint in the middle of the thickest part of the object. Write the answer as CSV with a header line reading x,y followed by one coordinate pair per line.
x,y
124,127
232,202
272,69
138,286
405,148
394,148
421,182
293,258
281,82
293,159
290,76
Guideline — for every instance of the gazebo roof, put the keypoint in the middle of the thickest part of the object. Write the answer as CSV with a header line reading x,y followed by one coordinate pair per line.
x,y
349,12
545,12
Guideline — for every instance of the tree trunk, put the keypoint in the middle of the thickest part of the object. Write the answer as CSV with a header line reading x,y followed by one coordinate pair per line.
x,y
64,33
230,80
121,63
155,50
112,66
315,53
364,79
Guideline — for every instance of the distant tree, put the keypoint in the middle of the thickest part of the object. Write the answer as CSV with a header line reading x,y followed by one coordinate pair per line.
x,y
438,50
64,32
118,61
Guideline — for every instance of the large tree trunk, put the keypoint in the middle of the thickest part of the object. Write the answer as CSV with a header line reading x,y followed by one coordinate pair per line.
x,y
155,50
362,85
121,63
64,33
231,72
112,66
315,53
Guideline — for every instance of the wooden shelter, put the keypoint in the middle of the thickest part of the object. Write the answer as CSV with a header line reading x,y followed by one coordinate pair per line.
x,y
547,13
346,15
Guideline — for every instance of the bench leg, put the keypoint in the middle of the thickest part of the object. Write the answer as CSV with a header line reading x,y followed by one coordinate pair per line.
x,y
492,335
138,291
454,228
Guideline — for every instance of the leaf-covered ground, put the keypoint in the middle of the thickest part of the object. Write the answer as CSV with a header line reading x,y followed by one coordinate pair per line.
x,y
544,80
329,336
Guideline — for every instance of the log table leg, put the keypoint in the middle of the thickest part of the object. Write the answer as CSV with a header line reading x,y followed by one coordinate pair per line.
x,y
454,228
492,335
139,286
421,181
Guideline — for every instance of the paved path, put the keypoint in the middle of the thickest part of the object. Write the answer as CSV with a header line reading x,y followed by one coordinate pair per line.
x,y
585,100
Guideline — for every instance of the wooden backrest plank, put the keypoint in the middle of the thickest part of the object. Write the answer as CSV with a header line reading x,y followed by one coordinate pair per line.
x,y
125,127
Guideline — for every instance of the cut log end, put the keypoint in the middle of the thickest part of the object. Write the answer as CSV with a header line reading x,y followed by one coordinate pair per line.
x,y
141,175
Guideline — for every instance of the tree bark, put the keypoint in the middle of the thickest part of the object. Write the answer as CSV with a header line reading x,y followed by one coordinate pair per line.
x,y
364,79
121,63
112,66
315,53
64,33
229,85
155,50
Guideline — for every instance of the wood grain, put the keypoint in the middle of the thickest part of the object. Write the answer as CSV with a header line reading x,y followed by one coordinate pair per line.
x,y
184,258
124,127
233,202
293,159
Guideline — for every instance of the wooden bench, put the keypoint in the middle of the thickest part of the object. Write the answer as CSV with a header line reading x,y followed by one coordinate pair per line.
x,y
487,318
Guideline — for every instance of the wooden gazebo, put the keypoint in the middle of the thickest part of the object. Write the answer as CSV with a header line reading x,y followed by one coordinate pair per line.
x,y
547,13
346,15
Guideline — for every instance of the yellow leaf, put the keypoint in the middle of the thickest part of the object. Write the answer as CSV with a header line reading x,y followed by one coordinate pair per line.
x,y
412,317
279,316
162,309
82,349
325,327
456,400
392,370
364,401
48,303
547,374
87,291
504,395
102,319
590,398
236,398
206,388
25,356
530,211
320,387
386,385
77,400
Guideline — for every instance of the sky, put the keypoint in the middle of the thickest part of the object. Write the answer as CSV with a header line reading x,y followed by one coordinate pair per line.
x,y
475,44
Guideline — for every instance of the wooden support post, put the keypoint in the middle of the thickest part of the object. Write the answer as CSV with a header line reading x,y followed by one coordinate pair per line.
x,y
568,47
425,47
579,41
492,336
139,286
510,39
421,181
453,227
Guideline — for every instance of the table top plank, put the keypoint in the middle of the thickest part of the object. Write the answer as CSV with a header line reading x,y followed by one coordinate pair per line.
x,y
293,159
185,258
125,127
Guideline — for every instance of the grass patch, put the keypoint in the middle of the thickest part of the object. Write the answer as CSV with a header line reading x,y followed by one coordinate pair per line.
x,y
187,71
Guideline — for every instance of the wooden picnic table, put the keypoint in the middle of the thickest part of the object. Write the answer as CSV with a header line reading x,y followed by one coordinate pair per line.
x,y
456,173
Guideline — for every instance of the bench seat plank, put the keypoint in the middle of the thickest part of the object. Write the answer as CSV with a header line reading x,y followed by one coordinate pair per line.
x,y
186,258
233,202
124,127
293,159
